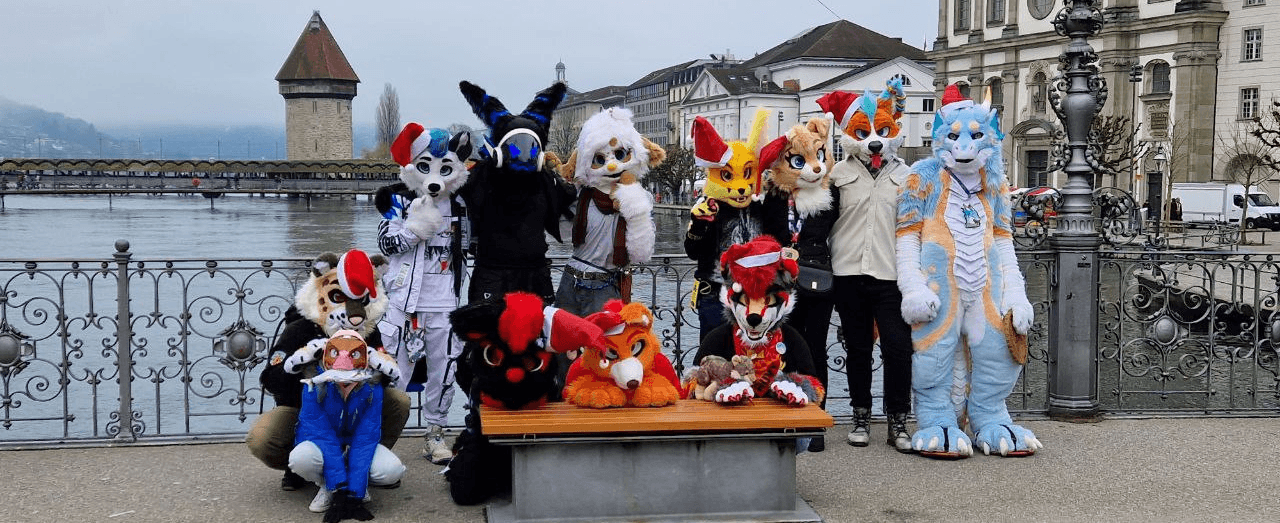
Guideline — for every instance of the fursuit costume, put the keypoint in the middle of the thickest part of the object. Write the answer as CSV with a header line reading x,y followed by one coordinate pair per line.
x,y
860,230
422,233
758,291
342,293
513,196
731,211
613,226
630,370
961,287
512,340
340,423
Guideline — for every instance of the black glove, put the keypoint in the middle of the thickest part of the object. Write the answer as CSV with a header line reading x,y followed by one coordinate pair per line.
x,y
346,505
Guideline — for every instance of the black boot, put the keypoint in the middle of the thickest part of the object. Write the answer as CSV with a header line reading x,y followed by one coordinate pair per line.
x,y
817,444
899,438
860,434
291,481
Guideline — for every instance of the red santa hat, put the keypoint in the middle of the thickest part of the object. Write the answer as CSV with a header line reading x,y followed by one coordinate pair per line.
x,y
411,142
356,276
709,149
840,104
526,319
754,265
770,152
610,319
952,95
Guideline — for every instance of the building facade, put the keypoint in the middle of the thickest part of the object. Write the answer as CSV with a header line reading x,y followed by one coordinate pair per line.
x,y
567,120
317,84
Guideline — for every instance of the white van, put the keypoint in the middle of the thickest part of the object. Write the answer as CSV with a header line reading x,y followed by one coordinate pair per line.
x,y
1224,202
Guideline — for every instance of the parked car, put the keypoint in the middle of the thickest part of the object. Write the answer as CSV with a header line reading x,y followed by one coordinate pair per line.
x,y
1215,202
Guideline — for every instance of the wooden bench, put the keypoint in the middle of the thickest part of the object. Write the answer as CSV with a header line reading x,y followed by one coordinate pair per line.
x,y
692,461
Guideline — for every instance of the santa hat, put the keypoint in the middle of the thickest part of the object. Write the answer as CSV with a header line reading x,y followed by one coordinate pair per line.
x,y
754,265
411,142
525,319
840,104
772,150
356,276
952,99
567,332
709,149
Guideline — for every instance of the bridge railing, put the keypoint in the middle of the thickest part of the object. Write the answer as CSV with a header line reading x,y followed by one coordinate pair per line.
x,y
1182,334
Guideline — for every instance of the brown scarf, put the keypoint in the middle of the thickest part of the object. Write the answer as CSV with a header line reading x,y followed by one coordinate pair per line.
x,y
607,206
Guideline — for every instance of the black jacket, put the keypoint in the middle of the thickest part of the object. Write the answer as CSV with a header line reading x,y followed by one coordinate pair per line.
x,y
706,240
510,210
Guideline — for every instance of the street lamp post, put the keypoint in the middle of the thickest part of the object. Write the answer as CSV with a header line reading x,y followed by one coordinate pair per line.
x,y
779,123
1073,337
1155,187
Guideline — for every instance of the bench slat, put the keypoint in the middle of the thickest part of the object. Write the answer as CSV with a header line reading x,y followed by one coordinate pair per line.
x,y
684,416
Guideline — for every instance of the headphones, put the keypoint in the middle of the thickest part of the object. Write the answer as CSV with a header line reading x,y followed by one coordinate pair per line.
x,y
521,134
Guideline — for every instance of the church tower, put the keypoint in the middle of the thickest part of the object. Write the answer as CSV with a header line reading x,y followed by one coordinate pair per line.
x,y
317,84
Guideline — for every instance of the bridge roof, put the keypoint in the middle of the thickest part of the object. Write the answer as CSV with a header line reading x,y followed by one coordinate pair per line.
x,y
213,166
316,56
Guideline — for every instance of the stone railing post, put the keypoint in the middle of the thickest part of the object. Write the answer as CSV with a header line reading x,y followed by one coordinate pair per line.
x,y
1073,321
124,343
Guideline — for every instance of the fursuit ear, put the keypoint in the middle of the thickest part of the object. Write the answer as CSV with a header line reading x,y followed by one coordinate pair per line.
x,y
489,109
656,153
478,320
460,144
819,126
323,263
545,103
380,265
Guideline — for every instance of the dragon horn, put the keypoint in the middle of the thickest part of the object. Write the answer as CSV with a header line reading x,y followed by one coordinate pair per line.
x,y
489,109
545,102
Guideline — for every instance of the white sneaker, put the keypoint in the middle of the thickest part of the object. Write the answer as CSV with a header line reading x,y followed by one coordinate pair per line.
x,y
324,497
437,450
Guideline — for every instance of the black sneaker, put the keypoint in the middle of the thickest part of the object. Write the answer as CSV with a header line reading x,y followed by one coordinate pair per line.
x,y
291,481
817,444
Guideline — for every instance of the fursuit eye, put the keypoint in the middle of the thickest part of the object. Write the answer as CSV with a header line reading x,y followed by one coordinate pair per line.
x,y
445,170
423,167
883,132
726,176
356,355
333,353
534,363
611,354
822,155
861,134
493,356
953,136
336,296
598,160
637,348
977,135
795,161
770,300
622,155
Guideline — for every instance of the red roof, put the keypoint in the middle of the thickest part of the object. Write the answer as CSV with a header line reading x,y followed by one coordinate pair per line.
x,y
316,56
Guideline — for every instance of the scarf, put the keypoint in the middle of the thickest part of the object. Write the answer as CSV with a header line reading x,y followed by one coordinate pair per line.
x,y
606,205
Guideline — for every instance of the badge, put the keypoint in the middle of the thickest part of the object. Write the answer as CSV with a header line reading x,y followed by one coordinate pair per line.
x,y
277,357
782,348
972,219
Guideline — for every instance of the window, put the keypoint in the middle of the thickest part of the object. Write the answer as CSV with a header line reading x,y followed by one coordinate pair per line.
x,y
995,10
926,142
963,14
926,105
1160,78
1037,169
964,90
1251,3
906,82
1252,44
997,92
1039,92
1248,103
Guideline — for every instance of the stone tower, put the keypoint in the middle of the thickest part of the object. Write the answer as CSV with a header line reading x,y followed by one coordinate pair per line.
x,y
317,84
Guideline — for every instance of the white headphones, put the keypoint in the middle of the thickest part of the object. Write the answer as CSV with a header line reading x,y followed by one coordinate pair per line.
x,y
500,155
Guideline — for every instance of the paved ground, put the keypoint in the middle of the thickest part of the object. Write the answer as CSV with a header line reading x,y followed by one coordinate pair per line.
x,y
1167,470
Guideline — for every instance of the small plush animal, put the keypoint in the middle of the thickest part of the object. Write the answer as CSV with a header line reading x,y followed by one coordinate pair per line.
x,y
630,370
716,375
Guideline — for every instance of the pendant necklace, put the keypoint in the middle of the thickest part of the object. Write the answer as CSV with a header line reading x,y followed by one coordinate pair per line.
x,y
972,218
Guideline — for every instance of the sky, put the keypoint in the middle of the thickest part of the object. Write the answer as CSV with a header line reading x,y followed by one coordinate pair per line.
x,y
121,62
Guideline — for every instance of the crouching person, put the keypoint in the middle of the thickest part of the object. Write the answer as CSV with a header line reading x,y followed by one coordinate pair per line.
x,y
339,425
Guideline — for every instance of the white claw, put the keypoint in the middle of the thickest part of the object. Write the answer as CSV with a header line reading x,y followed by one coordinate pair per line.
x,y
1004,447
986,449
1034,444
918,444
933,443
964,448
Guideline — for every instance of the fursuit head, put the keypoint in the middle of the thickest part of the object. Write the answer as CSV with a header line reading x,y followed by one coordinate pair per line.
x,y
798,165
433,166
759,287
516,142
733,169
869,123
344,292
630,371
967,136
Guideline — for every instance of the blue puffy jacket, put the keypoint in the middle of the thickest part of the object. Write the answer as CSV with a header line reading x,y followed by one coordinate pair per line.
x,y
335,425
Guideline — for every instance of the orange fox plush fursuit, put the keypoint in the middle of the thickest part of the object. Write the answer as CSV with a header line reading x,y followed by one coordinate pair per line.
x,y
630,371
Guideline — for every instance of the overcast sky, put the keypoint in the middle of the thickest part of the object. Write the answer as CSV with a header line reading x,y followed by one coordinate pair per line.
x,y
114,62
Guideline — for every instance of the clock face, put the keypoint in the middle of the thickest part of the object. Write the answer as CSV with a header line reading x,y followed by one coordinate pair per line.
x,y
1040,8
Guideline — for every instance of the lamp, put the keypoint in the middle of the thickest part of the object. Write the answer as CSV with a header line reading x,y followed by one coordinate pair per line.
x,y
1160,159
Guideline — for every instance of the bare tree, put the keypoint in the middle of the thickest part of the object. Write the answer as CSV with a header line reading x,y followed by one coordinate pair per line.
x,y
386,122
1117,148
676,172
561,138
1266,130
1252,151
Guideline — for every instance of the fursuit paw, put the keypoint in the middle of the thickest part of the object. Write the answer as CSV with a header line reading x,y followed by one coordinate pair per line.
x,y
942,442
1023,315
736,392
304,355
423,219
382,362
789,392
920,306
595,394
1007,440
656,391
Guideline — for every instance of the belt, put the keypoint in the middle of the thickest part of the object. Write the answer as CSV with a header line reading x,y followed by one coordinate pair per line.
x,y
597,276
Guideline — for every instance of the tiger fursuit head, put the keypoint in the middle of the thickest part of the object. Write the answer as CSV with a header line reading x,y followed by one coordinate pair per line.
x,y
962,290
798,166
344,292
630,370
871,132
758,293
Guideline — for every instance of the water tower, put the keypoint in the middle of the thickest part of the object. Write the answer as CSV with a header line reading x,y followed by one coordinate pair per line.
x,y
317,84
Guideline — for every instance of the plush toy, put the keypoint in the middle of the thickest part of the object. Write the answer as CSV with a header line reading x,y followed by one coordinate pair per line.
x,y
422,232
513,196
613,226
715,375
511,341
630,370
730,212
759,285
339,426
341,292
962,290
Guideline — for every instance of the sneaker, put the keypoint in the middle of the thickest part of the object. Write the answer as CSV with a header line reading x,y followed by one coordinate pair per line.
x,y
437,450
899,438
324,497
860,435
817,444
291,481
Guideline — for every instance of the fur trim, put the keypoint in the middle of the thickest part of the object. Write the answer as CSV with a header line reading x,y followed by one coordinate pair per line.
x,y
521,322
811,202
636,206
